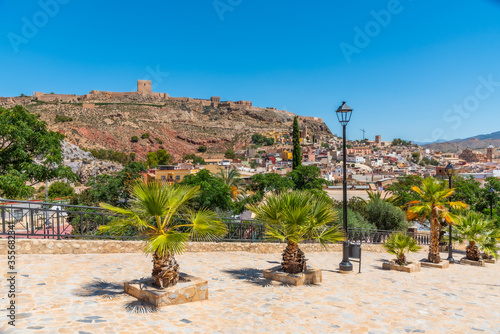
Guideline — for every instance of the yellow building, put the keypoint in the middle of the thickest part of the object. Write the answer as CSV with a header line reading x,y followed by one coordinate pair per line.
x,y
285,155
171,174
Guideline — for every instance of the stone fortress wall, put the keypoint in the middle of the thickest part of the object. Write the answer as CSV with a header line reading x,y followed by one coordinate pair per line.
x,y
143,88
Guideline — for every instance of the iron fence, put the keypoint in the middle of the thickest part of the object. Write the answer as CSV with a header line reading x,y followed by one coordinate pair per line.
x,y
63,221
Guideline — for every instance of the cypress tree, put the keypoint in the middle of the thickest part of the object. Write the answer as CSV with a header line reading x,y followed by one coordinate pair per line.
x,y
297,155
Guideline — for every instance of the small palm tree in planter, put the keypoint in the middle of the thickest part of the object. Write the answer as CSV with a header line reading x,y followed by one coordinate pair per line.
x,y
481,233
154,210
294,217
400,244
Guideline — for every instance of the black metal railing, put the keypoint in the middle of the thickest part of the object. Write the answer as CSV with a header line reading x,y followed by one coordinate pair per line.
x,y
64,221
381,236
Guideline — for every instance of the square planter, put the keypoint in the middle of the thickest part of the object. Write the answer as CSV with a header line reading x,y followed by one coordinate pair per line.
x,y
409,268
310,276
441,265
490,260
188,289
480,263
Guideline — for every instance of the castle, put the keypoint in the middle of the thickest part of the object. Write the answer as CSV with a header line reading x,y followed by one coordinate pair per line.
x,y
143,88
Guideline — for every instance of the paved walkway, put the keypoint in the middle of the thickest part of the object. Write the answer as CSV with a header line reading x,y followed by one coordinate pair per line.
x,y
83,294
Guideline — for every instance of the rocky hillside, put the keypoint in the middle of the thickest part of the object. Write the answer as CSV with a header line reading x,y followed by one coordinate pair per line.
x,y
83,164
179,127
479,143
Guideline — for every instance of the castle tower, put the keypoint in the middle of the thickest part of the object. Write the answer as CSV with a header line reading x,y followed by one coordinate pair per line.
x,y
490,153
144,86
378,140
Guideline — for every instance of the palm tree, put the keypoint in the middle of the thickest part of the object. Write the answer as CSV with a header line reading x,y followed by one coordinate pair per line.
x,y
481,233
232,178
154,210
400,244
433,205
294,217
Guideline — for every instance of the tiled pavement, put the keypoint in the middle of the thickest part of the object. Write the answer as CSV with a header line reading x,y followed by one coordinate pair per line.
x,y
83,294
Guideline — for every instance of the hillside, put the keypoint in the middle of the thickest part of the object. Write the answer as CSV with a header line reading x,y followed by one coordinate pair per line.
x,y
480,142
180,127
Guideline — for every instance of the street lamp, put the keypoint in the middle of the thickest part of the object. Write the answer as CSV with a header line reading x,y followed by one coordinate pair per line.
x,y
449,170
344,116
491,192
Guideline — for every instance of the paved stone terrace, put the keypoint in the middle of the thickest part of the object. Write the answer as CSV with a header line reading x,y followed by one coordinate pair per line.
x,y
83,293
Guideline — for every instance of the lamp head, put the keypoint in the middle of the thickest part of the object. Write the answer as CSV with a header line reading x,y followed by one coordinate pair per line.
x,y
344,113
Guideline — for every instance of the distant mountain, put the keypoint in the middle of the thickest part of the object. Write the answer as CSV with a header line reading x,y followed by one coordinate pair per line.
x,y
479,142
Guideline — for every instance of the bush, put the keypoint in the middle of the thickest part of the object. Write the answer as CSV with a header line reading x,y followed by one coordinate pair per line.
x,y
60,189
62,119
386,216
354,220
111,155
159,141
145,135
230,154
134,139
202,148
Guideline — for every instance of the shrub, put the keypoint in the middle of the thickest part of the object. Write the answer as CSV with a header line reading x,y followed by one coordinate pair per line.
x,y
134,139
60,189
354,220
400,244
62,119
202,148
159,141
230,154
145,135
386,216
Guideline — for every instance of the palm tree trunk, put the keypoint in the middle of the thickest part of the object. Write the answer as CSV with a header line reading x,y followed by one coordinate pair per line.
x,y
401,260
434,246
472,252
294,260
165,270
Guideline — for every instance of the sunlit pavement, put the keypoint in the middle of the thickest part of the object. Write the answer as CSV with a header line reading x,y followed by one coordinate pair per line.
x,y
84,294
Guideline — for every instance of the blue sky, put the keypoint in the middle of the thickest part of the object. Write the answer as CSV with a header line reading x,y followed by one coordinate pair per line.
x,y
426,70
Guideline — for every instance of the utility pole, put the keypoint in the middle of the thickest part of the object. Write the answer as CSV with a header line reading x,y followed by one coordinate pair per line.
x,y
363,130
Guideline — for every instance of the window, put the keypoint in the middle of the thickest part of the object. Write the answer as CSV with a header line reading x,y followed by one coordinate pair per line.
x,y
177,177
163,177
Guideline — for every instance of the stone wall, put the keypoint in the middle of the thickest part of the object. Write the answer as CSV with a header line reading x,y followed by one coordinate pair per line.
x,y
51,246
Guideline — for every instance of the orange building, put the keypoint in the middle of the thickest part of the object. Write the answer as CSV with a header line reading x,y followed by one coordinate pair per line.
x,y
171,174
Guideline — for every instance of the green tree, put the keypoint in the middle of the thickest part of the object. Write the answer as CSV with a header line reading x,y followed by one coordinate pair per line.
x,y
232,178
294,217
296,153
202,148
386,216
400,244
145,135
151,159
153,211
230,154
402,190
354,219
60,189
163,157
307,178
270,182
433,204
134,139
29,153
214,193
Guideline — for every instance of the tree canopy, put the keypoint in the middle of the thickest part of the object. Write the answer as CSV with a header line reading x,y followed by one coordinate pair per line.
x,y
29,153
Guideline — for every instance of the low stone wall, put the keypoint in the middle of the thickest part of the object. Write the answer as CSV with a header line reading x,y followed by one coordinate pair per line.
x,y
51,246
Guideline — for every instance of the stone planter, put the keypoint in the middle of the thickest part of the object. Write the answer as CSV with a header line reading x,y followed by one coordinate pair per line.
x,y
409,268
188,289
480,263
490,260
310,276
441,265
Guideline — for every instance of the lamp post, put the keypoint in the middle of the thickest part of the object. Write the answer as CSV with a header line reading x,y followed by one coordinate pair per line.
x,y
344,116
449,170
491,192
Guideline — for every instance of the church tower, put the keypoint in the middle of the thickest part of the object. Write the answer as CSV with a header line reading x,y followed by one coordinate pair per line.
x,y
490,153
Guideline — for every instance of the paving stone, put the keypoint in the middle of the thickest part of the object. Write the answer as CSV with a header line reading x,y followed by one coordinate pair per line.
x,y
84,293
